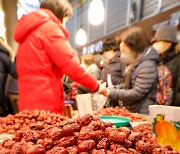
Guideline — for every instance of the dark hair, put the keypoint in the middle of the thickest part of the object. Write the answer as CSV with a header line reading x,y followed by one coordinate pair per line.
x,y
61,8
110,44
135,38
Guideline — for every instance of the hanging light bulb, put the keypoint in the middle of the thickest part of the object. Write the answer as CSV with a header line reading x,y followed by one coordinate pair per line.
x,y
81,37
96,12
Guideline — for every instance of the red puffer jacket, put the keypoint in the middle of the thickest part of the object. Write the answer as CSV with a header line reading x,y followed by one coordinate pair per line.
x,y
44,55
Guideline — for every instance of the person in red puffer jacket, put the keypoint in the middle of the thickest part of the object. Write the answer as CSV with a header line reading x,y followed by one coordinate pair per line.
x,y
44,55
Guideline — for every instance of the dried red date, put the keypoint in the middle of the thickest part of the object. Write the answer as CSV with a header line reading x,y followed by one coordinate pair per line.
x,y
18,136
121,150
36,149
85,120
98,135
126,130
142,147
106,125
108,130
116,136
26,145
67,131
37,126
75,127
135,136
17,148
103,144
55,133
86,134
57,150
109,152
86,146
72,150
127,144
67,141
9,144
47,143
114,146
31,135
95,125
5,151
101,151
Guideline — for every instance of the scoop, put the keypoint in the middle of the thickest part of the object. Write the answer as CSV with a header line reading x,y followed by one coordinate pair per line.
x,y
118,121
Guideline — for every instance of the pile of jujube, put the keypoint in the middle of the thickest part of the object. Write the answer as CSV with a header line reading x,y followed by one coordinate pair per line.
x,y
24,119
82,135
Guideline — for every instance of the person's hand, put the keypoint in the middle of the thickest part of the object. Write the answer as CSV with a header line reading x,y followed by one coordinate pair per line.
x,y
74,84
102,86
103,90
100,81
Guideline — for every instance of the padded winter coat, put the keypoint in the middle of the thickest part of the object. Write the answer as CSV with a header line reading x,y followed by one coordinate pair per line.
x,y
142,92
44,55
172,62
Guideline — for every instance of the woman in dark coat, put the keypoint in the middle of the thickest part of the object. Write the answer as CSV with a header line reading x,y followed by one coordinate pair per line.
x,y
113,69
165,43
6,67
139,88
112,65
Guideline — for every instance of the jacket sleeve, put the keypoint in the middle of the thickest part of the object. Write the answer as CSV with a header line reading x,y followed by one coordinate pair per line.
x,y
144,81
9,65
62,54
119,86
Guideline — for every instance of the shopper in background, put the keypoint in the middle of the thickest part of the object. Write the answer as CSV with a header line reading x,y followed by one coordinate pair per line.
x,y
87,61
139,88
44,55
112,65
165,43
6,67
98,59
90,65
113,69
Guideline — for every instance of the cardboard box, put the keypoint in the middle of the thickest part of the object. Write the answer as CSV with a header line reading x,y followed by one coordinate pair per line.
x,y
166,125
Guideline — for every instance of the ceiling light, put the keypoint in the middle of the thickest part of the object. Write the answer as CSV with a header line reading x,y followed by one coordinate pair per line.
x,y
96,12
81,37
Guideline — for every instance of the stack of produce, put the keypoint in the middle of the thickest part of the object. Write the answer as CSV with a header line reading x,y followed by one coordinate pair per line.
x,y
83,135
24,119
117,111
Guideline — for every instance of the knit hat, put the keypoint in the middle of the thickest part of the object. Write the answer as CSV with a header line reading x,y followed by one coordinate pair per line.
x,y
166,33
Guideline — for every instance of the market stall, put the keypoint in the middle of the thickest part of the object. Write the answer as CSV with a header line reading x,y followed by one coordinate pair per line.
x,y
45,132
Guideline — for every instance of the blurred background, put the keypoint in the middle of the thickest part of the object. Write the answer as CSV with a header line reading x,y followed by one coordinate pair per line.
x,y
117,16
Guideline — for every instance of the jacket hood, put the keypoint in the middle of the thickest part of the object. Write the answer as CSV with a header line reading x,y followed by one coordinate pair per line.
x,y
32,21
149,54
